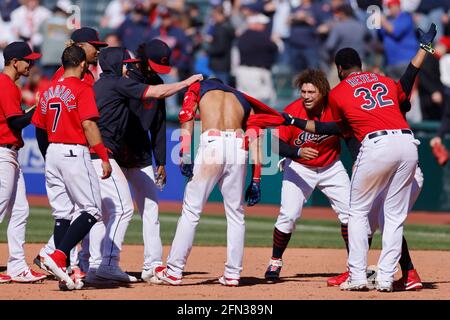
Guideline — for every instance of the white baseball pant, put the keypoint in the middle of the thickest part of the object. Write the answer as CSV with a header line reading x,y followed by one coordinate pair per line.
x,y
220,160
106,237
142,181
385,166
13,205
71,179
299,181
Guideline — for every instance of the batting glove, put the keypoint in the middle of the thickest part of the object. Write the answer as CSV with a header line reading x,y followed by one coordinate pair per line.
x,y
253,193
186,165
426,38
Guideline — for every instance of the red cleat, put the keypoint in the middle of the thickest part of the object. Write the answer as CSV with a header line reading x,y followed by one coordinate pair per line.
x,y
337,280
5,278
409,282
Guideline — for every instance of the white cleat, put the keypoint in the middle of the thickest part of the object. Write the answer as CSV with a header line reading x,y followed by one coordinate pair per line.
x,y
114,273
384,286
28,276
359,285
228,282
371,277
149,275
161,274
58,270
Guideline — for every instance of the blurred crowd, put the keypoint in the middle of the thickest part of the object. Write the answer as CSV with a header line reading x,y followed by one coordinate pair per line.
x,y
255,45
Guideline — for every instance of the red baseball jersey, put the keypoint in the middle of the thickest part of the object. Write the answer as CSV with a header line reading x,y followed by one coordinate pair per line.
x,y
88,77
368,102
10,98
329,147
62,107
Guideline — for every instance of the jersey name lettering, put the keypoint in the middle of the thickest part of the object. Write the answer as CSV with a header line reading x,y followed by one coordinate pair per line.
x,y
61,92
361,79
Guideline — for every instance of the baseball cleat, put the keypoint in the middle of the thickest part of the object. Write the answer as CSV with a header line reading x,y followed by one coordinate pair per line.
x,y
39,261
63,285
149,275
338,280
114,273
357,285
371,274
273,270
28,276
408,282
228,282
166,278
76,273
5,278
56,262
384,286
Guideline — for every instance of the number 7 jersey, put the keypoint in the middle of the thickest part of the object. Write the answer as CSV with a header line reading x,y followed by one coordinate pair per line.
x,y
61,109
368,102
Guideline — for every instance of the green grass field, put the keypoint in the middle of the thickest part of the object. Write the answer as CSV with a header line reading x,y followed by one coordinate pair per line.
x,y
212,232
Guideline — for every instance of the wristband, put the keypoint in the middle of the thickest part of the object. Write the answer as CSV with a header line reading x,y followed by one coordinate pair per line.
x,y
101,151
256,174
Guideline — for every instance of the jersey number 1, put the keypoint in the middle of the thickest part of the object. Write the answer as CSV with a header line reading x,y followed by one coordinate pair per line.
x,y
57,107
374,96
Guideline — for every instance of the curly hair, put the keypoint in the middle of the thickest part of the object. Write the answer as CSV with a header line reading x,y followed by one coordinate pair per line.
x,y
316,77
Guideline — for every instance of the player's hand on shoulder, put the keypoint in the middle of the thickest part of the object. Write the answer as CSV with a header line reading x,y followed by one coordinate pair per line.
x,y
107,169
194,78
308,153
253,193
288,119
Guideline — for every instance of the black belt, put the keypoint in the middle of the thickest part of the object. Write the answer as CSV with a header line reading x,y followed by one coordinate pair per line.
x,y
10,146
385,132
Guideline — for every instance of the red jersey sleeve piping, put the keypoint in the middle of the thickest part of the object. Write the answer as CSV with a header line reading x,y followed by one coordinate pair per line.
x,y
145,93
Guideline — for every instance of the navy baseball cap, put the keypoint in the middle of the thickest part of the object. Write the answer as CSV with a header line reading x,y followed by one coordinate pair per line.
x,y
88,35
158,54
19,50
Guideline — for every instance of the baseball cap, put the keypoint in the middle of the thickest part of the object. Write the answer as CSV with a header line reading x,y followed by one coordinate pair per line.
x,y
88,35
389,3
127,58
158,54
19,50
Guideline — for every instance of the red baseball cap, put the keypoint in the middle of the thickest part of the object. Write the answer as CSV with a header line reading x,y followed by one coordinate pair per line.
x,y
389,3
158,55
19,50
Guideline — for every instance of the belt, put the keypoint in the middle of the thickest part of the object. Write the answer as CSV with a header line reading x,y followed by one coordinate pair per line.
x,y
214,133
10,146
385,132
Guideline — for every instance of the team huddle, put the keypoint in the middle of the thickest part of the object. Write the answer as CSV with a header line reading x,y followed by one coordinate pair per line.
x,y
94,137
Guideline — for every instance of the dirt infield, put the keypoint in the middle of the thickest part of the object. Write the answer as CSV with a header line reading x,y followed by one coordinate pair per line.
x,y
304,278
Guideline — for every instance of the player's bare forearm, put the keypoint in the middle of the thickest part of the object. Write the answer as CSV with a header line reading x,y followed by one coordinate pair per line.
x,y
256,151
417,60
91,132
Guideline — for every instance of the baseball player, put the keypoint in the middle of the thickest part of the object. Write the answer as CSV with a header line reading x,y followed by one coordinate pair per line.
x,y
67,111
369,104
113,93
87,39
221,159
410,279
135,157
13,202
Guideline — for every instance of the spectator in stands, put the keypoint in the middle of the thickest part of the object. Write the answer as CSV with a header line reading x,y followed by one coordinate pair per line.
x,y
115,13
26,20
347,32
257,55
6,7
431,89
55,35
6,37
398,34
113,40
304,41
181,59
219,50
281,28
135,29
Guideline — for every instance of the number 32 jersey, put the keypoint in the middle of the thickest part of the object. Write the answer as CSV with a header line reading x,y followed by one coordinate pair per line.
x,y
61,109
368,102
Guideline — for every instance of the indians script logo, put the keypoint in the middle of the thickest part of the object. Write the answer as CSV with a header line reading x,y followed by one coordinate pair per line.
x,y
309,137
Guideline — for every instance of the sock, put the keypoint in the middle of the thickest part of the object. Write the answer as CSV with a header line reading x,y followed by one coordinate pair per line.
x,y
77,230
280,242
344,233
59,231
370,241
405,259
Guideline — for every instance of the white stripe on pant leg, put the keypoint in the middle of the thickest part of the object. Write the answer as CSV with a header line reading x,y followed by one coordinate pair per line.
x,y
142,181
17,228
